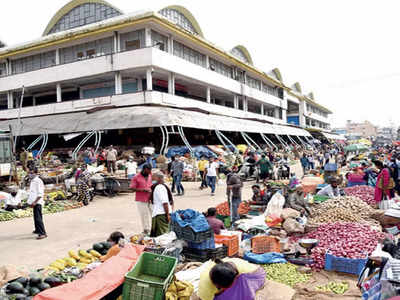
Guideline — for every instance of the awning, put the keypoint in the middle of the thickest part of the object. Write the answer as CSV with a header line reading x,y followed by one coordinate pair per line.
x,y
142,117
333,136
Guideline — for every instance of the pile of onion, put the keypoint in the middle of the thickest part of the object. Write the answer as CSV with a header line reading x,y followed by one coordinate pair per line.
x,y
364,192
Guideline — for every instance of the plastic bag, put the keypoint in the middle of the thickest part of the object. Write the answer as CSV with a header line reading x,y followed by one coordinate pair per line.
x,y
275,205
289,213
265,258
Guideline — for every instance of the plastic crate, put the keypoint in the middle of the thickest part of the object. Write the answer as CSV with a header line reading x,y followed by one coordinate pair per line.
x,y
225,219
187,233
345,265
206,254
264,244
149,278
173,252
232,242
207,244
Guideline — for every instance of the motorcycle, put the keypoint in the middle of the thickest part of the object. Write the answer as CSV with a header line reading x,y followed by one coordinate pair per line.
x,y
283,171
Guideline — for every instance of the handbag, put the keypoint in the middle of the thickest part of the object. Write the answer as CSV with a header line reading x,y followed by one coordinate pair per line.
x,y
390,186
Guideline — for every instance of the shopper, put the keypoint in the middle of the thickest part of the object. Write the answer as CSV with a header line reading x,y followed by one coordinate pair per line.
x,y
130,168
161,198
36,201
141,185
212,174
202,170
234,192
265,167
177,169
384,185
111,159
304,163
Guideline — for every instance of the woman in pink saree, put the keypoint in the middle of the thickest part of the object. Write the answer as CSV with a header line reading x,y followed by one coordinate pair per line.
x,y
382,188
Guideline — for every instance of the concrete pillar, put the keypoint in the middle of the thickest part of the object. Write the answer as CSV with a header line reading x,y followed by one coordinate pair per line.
x,y
33,100
235,101
139,84
117,43
80,93
284,115
57,56
147,37
245,103
276,112
208,94
262,109
149,79
10,99
118,83
207,62
8,69
170,44
302,118
59,95
171,83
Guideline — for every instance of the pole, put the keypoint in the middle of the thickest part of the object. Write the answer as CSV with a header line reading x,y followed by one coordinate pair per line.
x,y
13,159
19,118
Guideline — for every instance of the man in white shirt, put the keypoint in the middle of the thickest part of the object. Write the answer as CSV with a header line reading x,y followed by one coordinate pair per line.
x,y
36,201
162,200
331,190
130,168
212,173
13,200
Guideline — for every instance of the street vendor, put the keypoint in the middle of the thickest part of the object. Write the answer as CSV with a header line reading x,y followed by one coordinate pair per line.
x,y
331,190
231,279
297,201
11,200
259,195
117,241
215,224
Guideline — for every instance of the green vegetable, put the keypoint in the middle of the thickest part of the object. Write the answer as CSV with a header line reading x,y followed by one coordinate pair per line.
x,y
53,281
334,287
98,247
286,274
43,286
34,291
15,287
34,281
22,280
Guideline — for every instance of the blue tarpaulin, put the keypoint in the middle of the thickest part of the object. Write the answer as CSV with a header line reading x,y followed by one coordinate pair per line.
x,y
265,258
192,218
199,151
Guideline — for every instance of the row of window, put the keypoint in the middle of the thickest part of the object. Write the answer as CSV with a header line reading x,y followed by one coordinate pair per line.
x,y
87,50
315,123
317,111
189,54
178,18
34,62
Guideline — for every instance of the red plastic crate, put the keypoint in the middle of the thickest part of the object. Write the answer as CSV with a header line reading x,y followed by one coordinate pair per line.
x,y
232,242
263,244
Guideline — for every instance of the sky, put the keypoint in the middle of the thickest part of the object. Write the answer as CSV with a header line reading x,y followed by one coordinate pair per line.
x,y
345,52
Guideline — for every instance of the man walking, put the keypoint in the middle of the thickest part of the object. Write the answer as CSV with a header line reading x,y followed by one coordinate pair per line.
x,y
265,167
202,170
141,185
35,200
212,173
234,192
177,169
111,160
161,198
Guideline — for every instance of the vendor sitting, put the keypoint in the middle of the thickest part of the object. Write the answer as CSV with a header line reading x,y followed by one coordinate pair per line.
x,y
356,177
117,240
331,190
231,279
259,195
297,201
214,223
12,200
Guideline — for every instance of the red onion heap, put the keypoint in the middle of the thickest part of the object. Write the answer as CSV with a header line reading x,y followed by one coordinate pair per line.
x,y
364,192
350,240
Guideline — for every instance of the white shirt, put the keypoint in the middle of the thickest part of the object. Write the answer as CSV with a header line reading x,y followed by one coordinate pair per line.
x,y
36,189
160,197
14,201
131,167
329,191
212,169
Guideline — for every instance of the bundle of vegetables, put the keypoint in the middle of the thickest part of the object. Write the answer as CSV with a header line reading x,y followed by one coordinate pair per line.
x,y
286,274
334,287
350,240
224,210
364,192
346,208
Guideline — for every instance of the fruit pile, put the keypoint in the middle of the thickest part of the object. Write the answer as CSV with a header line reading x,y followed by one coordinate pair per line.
x,y
286,274
349,240
24,288
334,287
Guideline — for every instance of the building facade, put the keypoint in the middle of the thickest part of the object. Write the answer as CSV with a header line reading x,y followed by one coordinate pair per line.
x,y
93,55
365,129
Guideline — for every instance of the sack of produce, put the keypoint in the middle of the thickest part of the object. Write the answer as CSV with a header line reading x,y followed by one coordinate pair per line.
x,y
275,205
290,213
292,226
161,159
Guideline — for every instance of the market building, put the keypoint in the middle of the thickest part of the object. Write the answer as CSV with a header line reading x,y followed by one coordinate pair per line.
x,y
365,129
92,57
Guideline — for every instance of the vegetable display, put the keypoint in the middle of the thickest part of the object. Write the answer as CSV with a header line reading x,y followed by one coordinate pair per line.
x,y
224,210
334,287
364,192
350,240
286,274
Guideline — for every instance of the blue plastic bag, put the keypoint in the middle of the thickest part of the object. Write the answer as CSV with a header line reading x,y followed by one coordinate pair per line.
x,y
265,258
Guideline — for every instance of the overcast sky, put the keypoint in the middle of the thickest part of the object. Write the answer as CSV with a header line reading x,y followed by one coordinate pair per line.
x,y
346,52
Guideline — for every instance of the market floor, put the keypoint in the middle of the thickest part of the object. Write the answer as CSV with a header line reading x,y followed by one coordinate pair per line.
x,y
80,228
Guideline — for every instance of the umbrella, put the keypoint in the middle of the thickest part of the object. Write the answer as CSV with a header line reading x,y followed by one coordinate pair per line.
x,y
356,147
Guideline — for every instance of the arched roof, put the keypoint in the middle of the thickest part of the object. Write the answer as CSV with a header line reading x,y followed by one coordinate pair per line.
x,y
242,53
187,14
311,95
276,73
2,44
297,87
72,5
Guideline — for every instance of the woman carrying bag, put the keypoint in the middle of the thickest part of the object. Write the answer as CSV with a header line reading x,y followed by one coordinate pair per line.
x,y
384,186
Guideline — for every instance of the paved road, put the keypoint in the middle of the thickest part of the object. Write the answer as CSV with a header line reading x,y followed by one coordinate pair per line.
x,y
80,228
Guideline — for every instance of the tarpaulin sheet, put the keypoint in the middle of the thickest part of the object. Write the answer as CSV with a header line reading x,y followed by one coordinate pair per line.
x,y
99,282
199,151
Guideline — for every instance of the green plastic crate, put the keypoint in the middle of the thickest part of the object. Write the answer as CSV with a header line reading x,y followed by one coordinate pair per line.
x,y
225,219
149,278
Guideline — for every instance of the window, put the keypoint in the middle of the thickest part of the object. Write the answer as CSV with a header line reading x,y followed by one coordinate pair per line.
x,y
254,107
132,40
270,90
158,40
3,69
87,50
178,18
221,68
239,54
270,112
3,101
84,14
189,54
34,62
254,83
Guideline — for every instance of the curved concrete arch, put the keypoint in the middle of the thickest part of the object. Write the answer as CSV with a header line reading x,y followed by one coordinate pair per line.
x,y
184,11
70,6
276,73
297,87
245,53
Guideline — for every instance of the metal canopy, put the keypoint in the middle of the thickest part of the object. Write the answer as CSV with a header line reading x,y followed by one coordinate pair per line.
x,y
142,117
